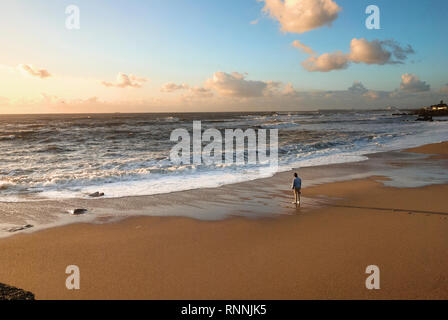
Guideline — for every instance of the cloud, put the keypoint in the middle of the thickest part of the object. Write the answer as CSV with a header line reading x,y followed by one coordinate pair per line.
x,y
297,44
378,52
299,16
124,81
367,52
401,53
276,97
326,62
201,92
357,88
235,85
373,95
356,91
412,84
253,22
30,70
444,89
171,87
289,91
194,93
361,51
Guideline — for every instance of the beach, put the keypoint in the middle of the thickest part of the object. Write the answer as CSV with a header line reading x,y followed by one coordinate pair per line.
x,y
211,157
365,215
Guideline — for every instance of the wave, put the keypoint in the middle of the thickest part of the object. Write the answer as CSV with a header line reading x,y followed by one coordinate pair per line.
x,y
129,155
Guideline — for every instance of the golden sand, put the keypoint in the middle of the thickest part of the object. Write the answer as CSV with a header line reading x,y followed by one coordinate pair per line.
x,y
308,254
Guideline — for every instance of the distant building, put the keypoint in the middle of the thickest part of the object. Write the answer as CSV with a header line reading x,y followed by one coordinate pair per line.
x,y
440,106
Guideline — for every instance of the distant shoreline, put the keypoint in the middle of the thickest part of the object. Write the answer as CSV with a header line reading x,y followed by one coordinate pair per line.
x,y
214,112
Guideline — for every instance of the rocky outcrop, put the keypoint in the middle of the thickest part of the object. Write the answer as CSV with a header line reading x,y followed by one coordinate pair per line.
x,y
425,117
20,228
12,293
96,194
78,211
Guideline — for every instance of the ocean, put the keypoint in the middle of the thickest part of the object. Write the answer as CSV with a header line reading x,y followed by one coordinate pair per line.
x,y
70,156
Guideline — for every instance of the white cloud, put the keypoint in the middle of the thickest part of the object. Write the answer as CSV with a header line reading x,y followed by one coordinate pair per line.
x,y
235,85
361,51
30,70
171,87
367,52
297,44
326,62
411,83
299,16
289,91
192,92
378,52
124,81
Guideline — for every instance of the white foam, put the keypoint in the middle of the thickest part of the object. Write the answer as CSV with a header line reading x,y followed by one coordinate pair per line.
x,y
146,181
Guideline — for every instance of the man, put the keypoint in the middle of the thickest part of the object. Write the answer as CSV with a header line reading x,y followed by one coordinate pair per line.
x,y
296,187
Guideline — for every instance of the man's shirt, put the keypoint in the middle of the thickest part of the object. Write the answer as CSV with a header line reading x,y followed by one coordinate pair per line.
x,y
297,183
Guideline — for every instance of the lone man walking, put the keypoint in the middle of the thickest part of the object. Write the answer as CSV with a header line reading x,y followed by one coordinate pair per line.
x,y
297,188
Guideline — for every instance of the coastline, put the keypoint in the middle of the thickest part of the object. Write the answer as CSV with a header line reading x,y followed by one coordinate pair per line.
x,y
319,251
227,200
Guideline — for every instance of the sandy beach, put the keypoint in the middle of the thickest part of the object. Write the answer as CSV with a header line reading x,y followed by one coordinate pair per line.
x,y
156,151
320,251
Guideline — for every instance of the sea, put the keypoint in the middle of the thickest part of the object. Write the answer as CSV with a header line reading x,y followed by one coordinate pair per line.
x,y
68,156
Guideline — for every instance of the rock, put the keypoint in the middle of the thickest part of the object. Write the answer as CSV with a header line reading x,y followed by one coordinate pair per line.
x,y
96,194
424,118
79,211
19,228
12,293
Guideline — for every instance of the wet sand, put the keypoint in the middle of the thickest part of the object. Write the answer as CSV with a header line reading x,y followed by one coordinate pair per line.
x,y
252,243
435,148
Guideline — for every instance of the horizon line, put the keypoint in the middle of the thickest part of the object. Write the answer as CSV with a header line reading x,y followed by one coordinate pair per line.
x,y
180,112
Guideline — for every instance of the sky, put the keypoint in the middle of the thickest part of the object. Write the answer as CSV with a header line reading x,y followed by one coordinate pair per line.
x,y
210,55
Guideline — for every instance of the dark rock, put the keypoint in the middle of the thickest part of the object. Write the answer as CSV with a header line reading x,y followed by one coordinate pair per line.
x,y
15,229
12,293
424,118
79,211
96,194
